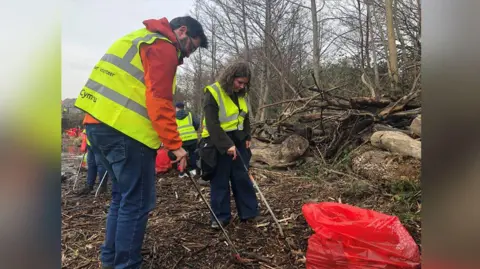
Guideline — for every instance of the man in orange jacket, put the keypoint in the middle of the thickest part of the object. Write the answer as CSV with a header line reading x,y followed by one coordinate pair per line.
x,y
131,162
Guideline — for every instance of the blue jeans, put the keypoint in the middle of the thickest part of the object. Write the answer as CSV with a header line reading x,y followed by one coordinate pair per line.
x,y
94,166
226,171
131,165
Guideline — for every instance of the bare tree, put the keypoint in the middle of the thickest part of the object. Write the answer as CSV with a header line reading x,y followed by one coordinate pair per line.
x,y
350,43
392,47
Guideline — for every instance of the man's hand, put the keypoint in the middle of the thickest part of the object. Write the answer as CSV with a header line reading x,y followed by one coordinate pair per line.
x,y
181,155
232,151
248,143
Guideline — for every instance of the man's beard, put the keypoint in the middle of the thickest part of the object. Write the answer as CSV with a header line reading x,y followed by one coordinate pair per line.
x,y
183,47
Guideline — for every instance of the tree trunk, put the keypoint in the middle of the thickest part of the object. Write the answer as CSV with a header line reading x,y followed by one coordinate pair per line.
x,y
392,47
214,51
416,126
402,41
267,47
374,49
245,32
279,155
382,38
316,42
367,36
397,142
360,23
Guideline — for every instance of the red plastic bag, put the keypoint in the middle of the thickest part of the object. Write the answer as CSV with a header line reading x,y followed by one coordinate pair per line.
x,y
350,237
162,163
83,146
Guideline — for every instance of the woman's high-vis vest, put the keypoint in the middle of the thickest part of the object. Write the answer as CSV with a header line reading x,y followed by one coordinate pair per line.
x,y
186,129
115,92
231,117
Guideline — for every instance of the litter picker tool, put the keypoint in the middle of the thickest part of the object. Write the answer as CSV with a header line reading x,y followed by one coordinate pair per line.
x,y
101,181
78,171
261,195
236,253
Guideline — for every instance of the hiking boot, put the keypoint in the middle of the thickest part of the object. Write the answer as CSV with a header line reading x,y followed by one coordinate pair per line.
x,y
193,173
182,175
255,220
202,182
86,190
215,225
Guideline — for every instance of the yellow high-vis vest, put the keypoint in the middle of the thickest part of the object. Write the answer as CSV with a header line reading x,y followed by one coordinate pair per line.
x,y
115,92
230,116
186,129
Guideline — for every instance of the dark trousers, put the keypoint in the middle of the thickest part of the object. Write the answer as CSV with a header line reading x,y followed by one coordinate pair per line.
x,y
131,165
190,147
232,172
94,167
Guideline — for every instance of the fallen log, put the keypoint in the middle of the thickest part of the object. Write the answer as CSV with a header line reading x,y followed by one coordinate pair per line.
x,y
416,126
407,113
397,142
399,105
383,127
279,155
358,102
319,115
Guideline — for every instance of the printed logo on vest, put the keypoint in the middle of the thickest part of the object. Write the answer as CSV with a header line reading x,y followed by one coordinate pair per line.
x,y
89,96
105,71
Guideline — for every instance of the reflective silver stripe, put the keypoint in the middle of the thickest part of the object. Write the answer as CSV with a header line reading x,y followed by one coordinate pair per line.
x,y
118,98
133,50
125,66
186,133
242,114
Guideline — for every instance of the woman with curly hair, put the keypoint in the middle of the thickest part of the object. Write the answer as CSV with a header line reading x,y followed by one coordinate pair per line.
x,y
227,131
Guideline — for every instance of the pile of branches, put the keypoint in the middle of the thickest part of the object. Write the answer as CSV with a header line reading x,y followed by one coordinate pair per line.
x,y
333,123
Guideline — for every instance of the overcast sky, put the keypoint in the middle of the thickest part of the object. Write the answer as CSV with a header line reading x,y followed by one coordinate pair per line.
x,y
89,27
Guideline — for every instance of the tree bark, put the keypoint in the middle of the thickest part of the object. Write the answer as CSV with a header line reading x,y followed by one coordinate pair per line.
x,y
279,155
367,35
267,47
397,142
374,48
416,126
392,47
316,42
245,32
360,23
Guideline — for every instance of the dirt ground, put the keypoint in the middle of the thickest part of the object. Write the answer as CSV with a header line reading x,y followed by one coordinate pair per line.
x,y
179,236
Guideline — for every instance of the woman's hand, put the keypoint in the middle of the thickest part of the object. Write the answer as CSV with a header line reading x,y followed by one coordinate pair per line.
x,y
248,143
232,151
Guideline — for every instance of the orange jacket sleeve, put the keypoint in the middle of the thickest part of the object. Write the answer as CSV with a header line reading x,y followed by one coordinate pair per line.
x,y
160,65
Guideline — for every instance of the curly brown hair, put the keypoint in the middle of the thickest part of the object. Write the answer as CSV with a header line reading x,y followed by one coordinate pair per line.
x,y
235,70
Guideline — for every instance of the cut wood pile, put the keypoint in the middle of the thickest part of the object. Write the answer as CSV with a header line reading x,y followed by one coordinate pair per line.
x,y
331,126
